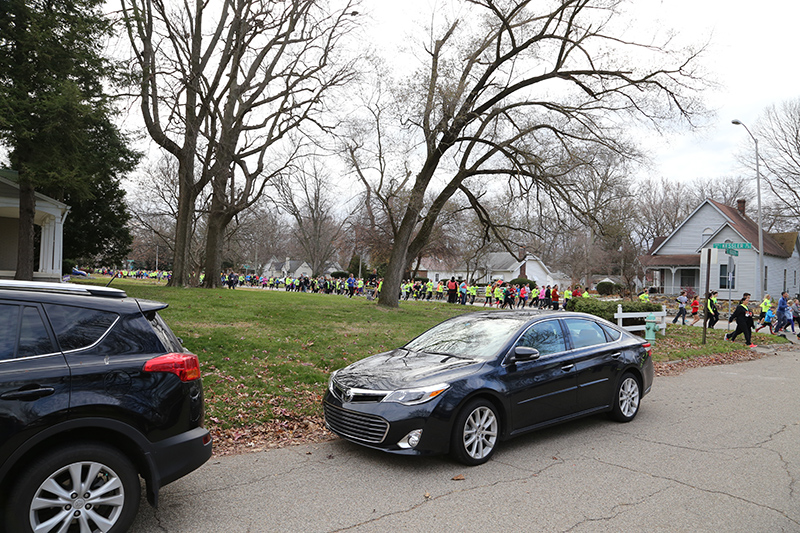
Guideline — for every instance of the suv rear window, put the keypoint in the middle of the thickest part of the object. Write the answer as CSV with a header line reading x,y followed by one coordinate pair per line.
x,y
26,335
78,327
9,320
165,335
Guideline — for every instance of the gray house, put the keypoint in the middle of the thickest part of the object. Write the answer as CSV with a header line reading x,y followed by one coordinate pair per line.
x,y
679,260
50,216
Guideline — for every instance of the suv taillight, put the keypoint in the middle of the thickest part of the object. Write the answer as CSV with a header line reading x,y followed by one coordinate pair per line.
x,y
647,346
184,365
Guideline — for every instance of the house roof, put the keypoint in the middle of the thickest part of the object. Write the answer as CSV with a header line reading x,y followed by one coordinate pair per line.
x,y
748,229
787,241
740,223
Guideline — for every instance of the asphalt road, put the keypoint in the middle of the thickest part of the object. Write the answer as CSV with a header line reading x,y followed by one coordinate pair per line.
x,y
715,449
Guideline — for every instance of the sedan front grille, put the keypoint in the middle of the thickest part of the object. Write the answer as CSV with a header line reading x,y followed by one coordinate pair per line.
x,y
357,426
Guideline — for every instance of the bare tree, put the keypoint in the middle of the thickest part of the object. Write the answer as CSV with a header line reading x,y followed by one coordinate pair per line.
x,y
779,131
724,189
661,205
513,90
306,197
226,84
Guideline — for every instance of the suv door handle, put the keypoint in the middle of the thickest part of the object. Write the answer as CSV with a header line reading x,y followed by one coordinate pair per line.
x,y
616,354
31,394
567,368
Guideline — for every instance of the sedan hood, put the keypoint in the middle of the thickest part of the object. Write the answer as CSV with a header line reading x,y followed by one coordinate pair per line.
x,y
403,369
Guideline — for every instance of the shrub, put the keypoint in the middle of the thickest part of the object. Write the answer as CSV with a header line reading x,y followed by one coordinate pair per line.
x,y
606,288
340,275
66,266
523,281
606,310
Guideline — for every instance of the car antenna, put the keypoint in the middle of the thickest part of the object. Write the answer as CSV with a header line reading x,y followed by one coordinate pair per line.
x,y
113,275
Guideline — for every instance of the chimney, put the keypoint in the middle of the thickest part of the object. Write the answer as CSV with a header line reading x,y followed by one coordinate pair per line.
x,y
740,206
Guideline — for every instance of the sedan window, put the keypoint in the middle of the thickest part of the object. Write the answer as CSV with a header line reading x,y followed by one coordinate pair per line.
x,y
469,336
585,333
546,337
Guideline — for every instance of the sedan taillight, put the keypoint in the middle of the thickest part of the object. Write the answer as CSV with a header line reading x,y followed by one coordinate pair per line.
x,y
184,365
648,347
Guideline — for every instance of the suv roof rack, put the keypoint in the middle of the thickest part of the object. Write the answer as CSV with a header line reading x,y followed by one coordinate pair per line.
x,y
64,288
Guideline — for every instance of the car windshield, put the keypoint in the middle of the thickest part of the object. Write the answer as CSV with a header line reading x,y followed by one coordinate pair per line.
x,y
469,336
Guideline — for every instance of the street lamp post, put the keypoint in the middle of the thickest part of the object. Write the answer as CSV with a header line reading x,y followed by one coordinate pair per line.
x,y
760,273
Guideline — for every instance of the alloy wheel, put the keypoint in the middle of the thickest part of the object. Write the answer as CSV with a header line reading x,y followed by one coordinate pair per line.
x,y
87,494
629,397
480,432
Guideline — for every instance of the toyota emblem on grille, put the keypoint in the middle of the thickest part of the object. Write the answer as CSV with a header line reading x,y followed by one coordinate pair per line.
x,y
348,395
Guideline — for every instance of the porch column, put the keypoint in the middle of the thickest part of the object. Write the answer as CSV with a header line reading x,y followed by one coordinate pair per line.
x,y
47,245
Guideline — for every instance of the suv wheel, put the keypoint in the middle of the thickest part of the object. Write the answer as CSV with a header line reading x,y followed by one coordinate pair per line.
x,y
79,487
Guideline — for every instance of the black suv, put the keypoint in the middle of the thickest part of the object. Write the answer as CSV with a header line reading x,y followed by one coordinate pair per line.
x,y
95,391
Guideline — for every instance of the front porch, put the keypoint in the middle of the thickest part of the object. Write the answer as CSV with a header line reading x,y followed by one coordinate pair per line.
x,y
673,273
50,216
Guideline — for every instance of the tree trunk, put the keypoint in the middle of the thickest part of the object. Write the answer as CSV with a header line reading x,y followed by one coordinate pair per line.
x,y
183,225
217,222
27,211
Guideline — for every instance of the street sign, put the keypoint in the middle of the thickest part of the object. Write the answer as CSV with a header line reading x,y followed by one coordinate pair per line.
x,y
731,251
733,245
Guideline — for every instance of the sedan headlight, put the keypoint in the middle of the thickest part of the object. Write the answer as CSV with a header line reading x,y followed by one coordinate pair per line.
x,y
416,396
330,381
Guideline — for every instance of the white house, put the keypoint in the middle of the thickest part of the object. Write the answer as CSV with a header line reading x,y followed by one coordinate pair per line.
x,y
680,259
50,215
494,266
294,268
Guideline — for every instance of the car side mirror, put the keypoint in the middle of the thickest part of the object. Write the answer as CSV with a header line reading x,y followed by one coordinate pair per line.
x,y
524,353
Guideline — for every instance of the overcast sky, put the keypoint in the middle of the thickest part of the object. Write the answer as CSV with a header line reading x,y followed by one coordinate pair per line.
x,y
752,56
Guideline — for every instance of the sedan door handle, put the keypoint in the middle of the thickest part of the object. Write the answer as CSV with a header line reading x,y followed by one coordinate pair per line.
x,y
616,355
567,368
31,394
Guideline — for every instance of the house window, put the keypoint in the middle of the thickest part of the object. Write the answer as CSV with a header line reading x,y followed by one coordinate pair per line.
x,y
707,234
766,268
724,278
437,277
784,280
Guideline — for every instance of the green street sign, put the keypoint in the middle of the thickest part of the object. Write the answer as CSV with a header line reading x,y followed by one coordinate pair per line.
x,y
733,245
731,251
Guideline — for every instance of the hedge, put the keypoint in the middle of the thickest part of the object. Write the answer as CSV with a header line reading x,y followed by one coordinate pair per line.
x,y
607,309
523,281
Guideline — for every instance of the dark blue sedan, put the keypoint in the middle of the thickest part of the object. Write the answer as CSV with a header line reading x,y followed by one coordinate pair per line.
x,y
476,379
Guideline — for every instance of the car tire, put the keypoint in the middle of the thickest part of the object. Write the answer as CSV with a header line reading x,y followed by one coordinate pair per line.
x,y
627,398
476,433
46,491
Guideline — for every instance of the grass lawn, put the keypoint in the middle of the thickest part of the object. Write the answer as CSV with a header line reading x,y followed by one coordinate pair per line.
x,y
685,342
265,356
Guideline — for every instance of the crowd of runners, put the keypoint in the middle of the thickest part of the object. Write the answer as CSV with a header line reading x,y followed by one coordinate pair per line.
x,y
499,293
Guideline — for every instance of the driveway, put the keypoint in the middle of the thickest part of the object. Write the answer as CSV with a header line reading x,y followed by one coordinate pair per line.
x,y
715,449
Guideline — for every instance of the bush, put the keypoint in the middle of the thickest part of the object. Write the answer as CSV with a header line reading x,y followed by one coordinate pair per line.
x,y
67,265
606,310
340,275
606,288
523,281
